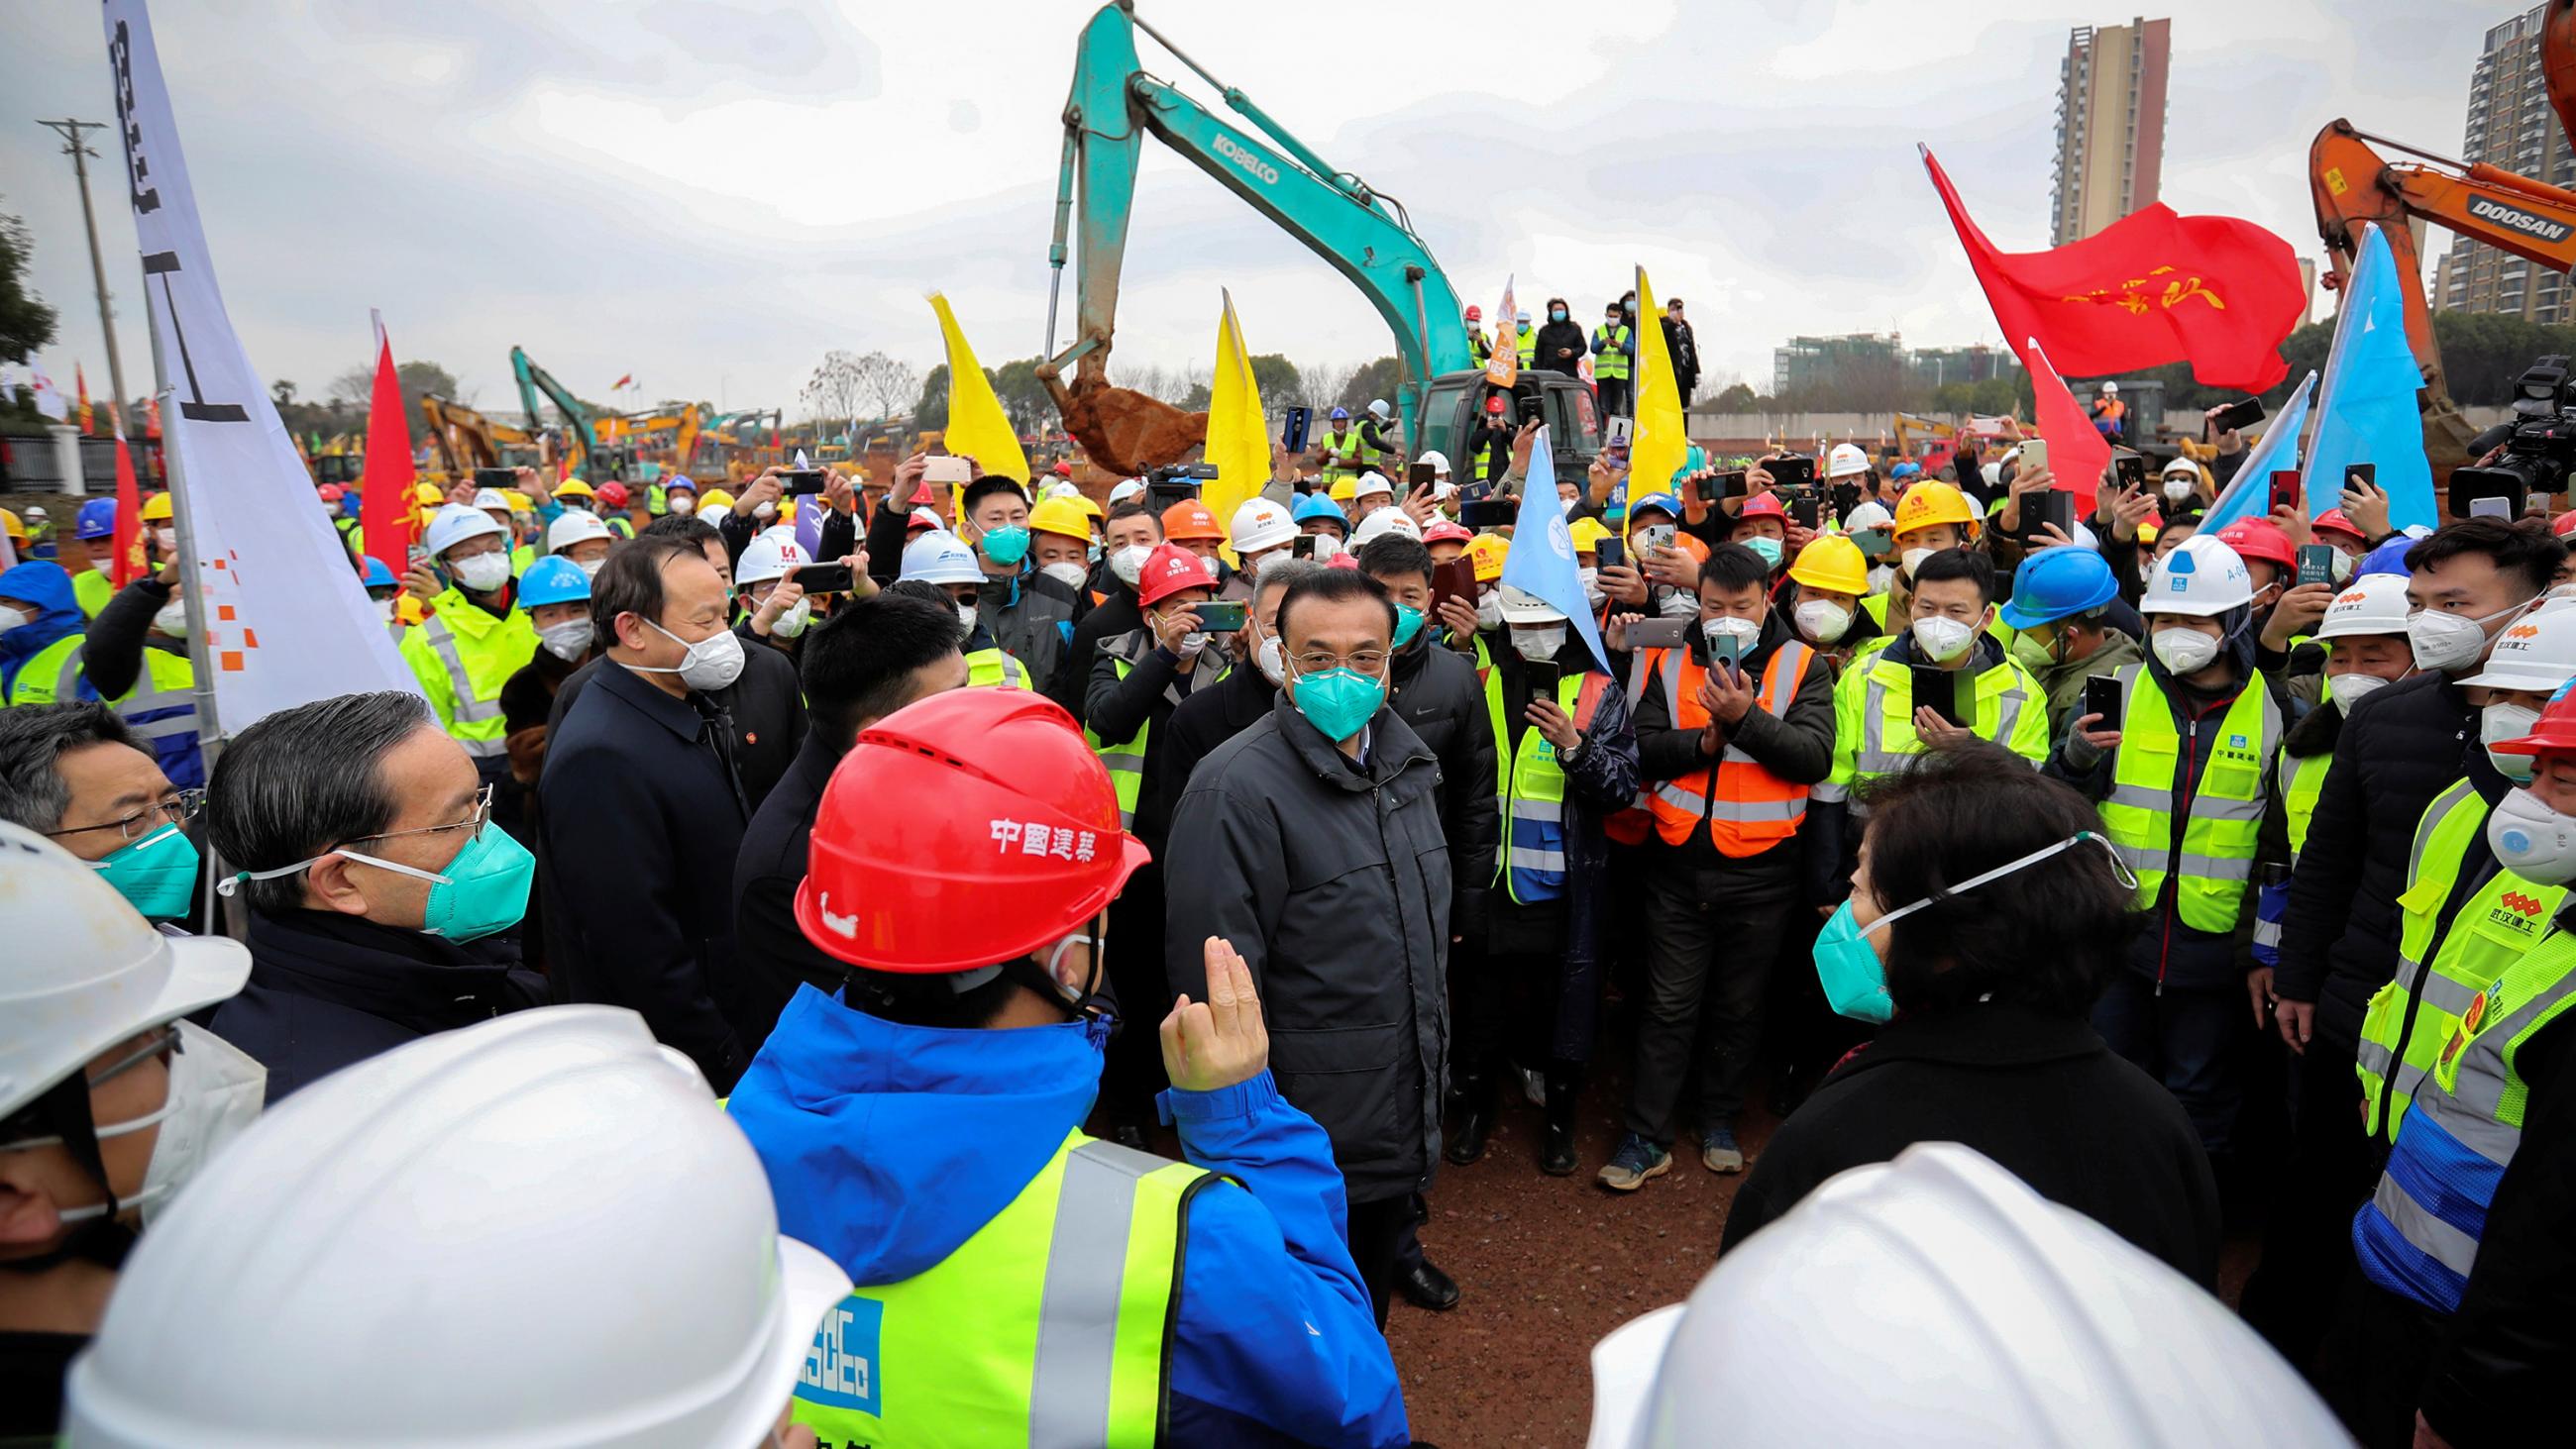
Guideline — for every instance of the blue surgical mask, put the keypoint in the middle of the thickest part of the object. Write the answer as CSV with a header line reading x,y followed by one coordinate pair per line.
x,y
1852,972
1556,314
1340,702
1006,546
154,874
1408,622
1768,548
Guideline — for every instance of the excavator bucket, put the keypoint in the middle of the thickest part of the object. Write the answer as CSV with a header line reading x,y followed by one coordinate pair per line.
x,y
1121,429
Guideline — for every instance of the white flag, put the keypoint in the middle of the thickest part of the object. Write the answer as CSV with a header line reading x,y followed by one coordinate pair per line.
x,y
286,619
49,399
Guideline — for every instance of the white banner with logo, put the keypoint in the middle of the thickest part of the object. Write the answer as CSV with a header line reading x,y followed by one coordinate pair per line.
x,y
286,619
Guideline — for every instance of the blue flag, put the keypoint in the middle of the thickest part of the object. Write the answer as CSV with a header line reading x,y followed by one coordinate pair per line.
x,y
2249,493
2366,410
1541,560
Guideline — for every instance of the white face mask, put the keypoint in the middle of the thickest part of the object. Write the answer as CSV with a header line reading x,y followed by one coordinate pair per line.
x,y
483,573
2351,689
765,511
2341,569
2452,641
2179,489
792,621
1911,557
167,541
1540,642
385,610
1591,581
1489,611
2500,722
568,641
216,1090
11,618
1881,578
1128,563
2183,651
1273,658
683,505
2532,840
172,618
1822,619
1071,575
711,663
966,617
1942,639
590,568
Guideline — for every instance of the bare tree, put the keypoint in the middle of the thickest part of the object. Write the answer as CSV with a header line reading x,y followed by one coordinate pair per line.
x,y
887,386
835,390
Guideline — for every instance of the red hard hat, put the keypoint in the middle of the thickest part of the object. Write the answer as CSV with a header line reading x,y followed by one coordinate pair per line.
x,y
2335,519
1494,403
328,493
1343,561
970,828
612,494
1765,505
1063,470
1446,531
2260,538
1474,313
1169,569
2563,523
2554,730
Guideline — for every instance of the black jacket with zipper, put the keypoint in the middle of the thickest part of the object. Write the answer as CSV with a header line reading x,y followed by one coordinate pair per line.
x,y
1437,692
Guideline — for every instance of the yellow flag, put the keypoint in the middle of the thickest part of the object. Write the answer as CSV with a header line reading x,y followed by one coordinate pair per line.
x,y
1238,441
1663,440
977,426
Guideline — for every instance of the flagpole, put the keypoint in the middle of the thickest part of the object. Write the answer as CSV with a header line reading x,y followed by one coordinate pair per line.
x,y
201,662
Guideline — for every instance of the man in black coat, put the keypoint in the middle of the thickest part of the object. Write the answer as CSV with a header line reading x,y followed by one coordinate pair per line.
x,y
1682,345
643,815
1313,843
1561,343
868,660
1243,698
1441,700
342,963
2339,934
1132,530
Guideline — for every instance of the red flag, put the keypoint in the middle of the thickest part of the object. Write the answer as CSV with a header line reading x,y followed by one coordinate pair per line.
x,y
384,505
2077,452
152,418
80,383
127,565
627,381
2151,288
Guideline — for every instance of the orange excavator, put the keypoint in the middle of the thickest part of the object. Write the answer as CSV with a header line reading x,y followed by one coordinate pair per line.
x,y
2352,184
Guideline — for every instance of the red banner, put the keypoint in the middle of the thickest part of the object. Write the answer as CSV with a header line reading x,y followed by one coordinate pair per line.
x,y
384,505
127,565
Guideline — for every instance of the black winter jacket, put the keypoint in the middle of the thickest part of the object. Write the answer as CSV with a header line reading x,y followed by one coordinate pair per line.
x,y
1143,698
771,953
1797,747
1332,878
1111,617
1031,617
1436,691
1569,333
1208,719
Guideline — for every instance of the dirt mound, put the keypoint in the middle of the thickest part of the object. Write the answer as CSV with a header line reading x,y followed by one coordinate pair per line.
x,y
1124,431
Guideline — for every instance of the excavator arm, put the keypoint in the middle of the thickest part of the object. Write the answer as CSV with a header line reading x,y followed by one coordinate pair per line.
x,y
1113,106
581,429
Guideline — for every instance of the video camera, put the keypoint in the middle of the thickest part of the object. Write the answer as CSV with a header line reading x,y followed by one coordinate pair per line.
x,y
2539,441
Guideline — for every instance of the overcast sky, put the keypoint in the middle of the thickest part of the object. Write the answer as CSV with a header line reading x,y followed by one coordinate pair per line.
x,y
711,195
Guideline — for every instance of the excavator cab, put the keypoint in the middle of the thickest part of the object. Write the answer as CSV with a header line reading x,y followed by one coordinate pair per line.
x,y
1573,418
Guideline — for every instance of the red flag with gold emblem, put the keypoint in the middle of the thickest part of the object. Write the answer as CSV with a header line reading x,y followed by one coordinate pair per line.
x,y
80,384
2151,288
126,565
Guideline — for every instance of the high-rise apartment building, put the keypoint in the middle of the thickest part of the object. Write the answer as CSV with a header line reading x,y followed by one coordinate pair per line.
x,y
2512,125
2110,125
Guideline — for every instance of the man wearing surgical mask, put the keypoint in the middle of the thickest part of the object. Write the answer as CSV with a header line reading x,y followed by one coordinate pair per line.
x,y
643,813
1129,535
2184,776
1030,614
2341,934
476,635
76,775
382,897
1210,717
109,1102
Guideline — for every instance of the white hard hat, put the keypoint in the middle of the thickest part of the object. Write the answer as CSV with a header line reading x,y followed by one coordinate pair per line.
x,y
1382,523
1867,516
1520,606
766,558
2534,652
1938,1300
1372,482
941,558
2202,577
1992,472
2182,466
2111,387
1439,462
2371,604
1377,408
1845,460
537,1230
573,526
2086,538
454,524
1121,492
85,970
783,532
490,498
1260,524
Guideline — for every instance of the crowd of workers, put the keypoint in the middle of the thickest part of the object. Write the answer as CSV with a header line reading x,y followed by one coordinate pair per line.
x,y
986,819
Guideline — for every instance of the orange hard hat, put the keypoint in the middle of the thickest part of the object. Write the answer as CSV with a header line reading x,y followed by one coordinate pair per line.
x,y
2260,538
948,807
1190,518
1169,569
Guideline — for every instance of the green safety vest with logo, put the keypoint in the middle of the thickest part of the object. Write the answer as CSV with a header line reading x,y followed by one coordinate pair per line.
x,y
91,590
1126,760
1344,447
1531,786
51,675
1528,347
2212,855
1050,1327
462,656
994,666
2442,963
1610,363
1874,720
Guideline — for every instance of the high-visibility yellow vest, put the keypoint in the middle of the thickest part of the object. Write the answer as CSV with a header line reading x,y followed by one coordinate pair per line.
x,y
91,590
1478,349
2441,965
2212,858
462,656
1050,1326
1344,447
51,675
1528,346
2418,1235
1610,364
1874,720
1531,786
2302,780
995,666
161,707
1370,454
520,557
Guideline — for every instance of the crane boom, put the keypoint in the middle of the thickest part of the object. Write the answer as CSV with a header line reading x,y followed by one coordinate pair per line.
x,y
581,427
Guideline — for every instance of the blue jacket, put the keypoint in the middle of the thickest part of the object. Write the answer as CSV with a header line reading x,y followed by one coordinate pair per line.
x,y
46,586
889,1146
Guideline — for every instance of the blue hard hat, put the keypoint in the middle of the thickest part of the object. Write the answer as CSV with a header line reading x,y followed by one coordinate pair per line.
x,y
553,580
2057,583
374,574
1337,415
1665,501
97,519
1904,471
1317,505
2388,558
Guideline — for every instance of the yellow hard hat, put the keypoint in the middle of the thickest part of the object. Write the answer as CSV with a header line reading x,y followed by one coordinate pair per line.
x,y
1832,562
1061,516
10,524
155,508
428,495
1588,533
1926,504
1345,491
1089,509
1487,549
519,502
787,510
713,499
574,488
2147,532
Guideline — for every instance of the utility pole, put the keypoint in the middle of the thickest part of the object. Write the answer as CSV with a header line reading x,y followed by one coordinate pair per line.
x,y
80,153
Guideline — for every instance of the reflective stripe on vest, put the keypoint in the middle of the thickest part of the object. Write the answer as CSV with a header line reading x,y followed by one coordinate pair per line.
x,y
1531,787
2302,779
1343,448
1748,809
2418,1235
1610,364
1049,1327
1528,348
994,666
474,722
2212,853
1629,826
51,675
1888,742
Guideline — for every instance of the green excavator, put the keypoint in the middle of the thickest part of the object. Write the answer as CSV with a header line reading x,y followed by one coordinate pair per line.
x,y
1365,234
598,462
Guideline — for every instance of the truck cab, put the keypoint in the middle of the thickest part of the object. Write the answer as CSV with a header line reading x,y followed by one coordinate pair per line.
x,y
1565,404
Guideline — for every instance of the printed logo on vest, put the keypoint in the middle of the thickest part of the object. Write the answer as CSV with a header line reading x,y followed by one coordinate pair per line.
x,y
841,1365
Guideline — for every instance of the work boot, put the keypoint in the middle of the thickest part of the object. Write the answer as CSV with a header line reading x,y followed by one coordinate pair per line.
x,y
1636,1160
1425,1286
1564,1093
1717,1149
1475,1118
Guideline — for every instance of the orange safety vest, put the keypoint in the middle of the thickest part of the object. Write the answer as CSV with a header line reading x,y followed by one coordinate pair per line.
x,y
1748,808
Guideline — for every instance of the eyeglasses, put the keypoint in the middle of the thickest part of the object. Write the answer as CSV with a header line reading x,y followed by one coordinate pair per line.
x,y
176,808
1318,661
472,824
163,1042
